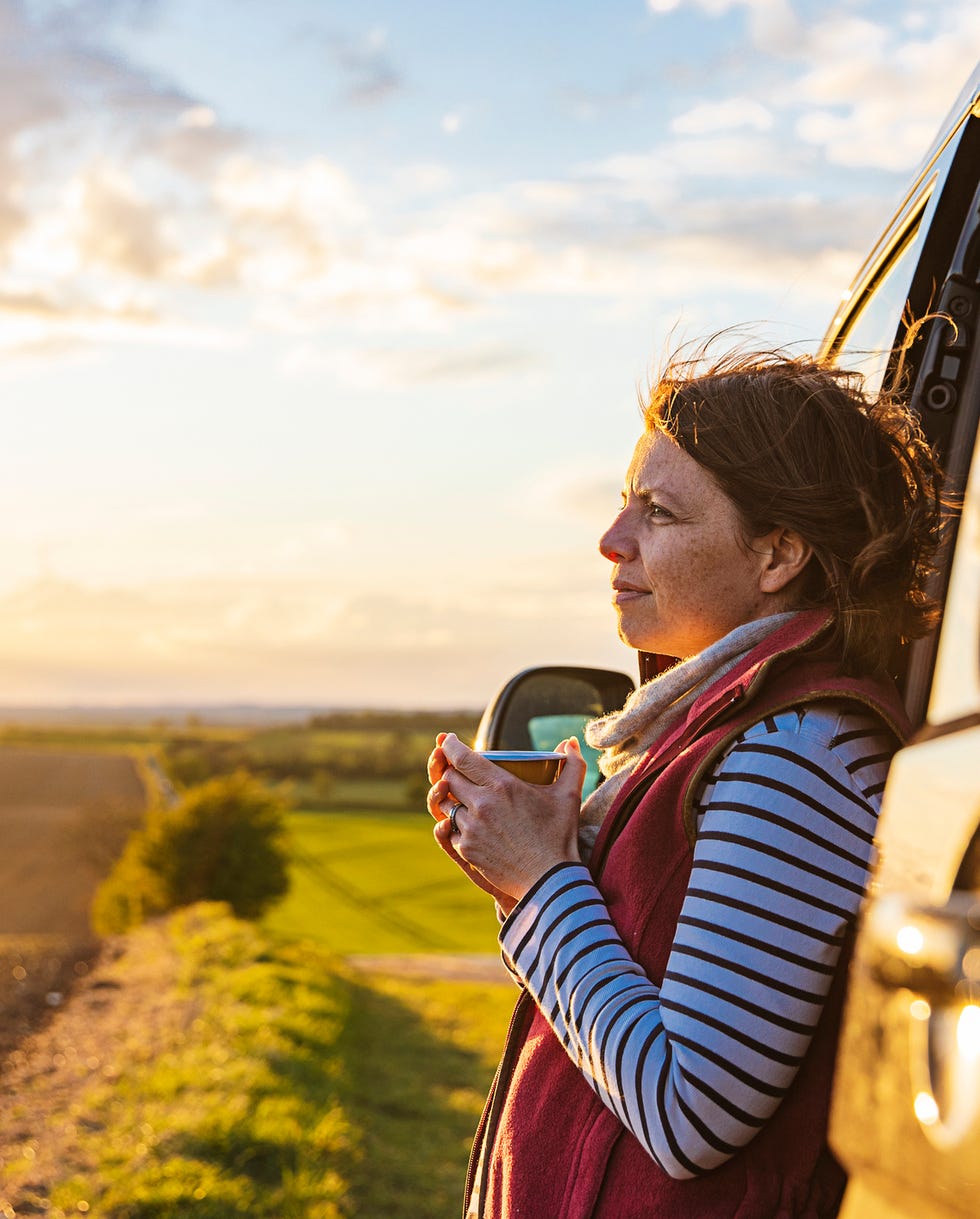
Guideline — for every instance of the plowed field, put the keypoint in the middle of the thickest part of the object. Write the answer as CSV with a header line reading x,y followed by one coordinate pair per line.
x,y
63,819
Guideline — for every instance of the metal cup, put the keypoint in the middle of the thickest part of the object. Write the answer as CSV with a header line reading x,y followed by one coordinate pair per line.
x,y
532,765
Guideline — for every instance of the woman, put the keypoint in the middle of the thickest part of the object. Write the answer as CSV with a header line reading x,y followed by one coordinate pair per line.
x,y
682,939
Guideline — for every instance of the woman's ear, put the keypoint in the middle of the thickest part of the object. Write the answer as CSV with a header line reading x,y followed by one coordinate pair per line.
x,y
786,553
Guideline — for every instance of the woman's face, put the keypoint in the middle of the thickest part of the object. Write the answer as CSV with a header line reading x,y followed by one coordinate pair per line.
x,y
683,575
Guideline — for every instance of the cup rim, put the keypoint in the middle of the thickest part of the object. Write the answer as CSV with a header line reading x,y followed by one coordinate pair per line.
x,y
519,755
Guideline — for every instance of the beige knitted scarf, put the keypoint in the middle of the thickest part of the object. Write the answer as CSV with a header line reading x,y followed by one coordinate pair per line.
x,y
653,709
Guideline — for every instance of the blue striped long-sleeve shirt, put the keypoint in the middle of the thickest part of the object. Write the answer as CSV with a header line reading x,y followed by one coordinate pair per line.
x,y
695,1067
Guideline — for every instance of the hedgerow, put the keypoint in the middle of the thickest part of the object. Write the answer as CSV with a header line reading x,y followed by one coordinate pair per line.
x,y
225,841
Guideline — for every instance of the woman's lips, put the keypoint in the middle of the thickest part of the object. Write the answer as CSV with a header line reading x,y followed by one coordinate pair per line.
x,y
627,592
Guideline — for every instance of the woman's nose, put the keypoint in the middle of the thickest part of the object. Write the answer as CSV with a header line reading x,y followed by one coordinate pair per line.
x,y
614,543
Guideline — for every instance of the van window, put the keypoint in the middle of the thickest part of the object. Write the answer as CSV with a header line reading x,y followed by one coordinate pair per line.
x,y
869,332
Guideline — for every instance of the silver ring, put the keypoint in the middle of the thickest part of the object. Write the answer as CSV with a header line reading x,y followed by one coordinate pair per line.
x,y
452,817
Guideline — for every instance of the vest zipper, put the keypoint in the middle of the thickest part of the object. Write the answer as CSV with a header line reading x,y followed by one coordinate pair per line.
x,y
487,1129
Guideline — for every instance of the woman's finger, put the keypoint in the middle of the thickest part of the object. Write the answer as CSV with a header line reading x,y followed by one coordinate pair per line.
x,y
439,793
463,759
442,831
572,777
458,787
436,765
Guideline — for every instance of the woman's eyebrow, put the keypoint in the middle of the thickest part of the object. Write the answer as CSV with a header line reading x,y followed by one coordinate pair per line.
x,y
652,490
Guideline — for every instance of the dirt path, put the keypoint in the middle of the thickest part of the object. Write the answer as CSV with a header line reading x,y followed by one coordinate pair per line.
x,y
116,1013
64,816
456,967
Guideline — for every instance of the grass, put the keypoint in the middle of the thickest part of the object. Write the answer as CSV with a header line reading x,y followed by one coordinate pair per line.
x,y
356,794
289,1086
421,1056
377,883
370,793
115,739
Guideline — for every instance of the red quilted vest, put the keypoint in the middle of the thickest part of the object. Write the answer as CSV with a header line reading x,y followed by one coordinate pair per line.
x,y
555,1151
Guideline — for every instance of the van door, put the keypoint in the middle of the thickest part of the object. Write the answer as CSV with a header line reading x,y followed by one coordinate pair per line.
x,y
906,1110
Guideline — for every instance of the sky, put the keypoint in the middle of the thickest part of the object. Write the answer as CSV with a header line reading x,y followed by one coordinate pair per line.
x,y
323,325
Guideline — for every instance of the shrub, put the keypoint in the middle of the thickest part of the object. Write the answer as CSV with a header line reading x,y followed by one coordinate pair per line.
x,y
416,790
225,841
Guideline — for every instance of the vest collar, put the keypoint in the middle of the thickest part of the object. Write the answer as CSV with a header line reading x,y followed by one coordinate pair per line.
x,y
792,637
740,683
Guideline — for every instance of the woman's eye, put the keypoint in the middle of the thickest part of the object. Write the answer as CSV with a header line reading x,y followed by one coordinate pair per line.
x,y
650,507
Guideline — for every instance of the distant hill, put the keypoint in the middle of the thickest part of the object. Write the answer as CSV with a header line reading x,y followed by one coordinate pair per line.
x,y
231,714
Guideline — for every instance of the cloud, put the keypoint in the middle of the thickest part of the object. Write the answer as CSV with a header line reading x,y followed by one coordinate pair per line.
x,y
773,23
382,368
304,245
867,93
191,152
610,230
81,238
82,18
313,192
275,225
422,178
174,201
27,96
119,228
38,329
368,73
732,207
197,117
723,115
31,304
124,198
587,105
874,94
733,157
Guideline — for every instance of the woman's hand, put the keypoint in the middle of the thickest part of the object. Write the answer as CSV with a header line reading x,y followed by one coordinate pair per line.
x,y
510,832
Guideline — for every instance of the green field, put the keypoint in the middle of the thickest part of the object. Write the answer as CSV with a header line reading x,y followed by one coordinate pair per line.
x,y
377,883
372,794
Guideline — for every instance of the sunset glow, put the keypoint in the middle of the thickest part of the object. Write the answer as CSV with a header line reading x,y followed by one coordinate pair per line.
x,y
322,324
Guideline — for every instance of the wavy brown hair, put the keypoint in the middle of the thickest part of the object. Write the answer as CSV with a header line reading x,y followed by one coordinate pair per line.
x,y
796,443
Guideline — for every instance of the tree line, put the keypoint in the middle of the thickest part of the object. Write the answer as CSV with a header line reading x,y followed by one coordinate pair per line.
x,y
339,745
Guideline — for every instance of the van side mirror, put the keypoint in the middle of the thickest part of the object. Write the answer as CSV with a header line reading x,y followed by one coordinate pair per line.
x,y
539,707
